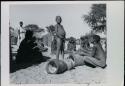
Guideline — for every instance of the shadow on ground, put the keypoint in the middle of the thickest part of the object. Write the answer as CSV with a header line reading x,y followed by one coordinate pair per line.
x,y
17,66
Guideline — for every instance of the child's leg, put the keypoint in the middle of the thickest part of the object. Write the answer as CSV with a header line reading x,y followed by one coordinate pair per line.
x,y
62,48
63,53
93,61
58,48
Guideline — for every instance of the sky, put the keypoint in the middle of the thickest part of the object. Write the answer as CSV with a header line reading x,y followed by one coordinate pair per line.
x,y
44,15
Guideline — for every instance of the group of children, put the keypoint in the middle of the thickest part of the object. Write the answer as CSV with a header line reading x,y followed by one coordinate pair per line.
x,y
94,56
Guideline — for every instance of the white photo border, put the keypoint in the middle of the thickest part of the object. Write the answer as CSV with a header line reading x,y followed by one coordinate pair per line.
x,y
115,42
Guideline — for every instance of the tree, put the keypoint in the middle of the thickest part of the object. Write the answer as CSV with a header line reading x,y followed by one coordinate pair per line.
x,y
34,28
50,29
96,18
51,38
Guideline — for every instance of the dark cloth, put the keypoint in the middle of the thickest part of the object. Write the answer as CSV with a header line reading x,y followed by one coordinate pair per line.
x,y
26,51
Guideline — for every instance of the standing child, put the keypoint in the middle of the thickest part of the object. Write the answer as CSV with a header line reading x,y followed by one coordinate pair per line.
x,y
21,32
60,37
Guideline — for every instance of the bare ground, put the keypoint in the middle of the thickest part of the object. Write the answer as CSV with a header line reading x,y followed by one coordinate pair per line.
x,y
37,74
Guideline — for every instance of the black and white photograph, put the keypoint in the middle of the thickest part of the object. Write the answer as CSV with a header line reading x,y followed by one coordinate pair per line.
x,y
60,43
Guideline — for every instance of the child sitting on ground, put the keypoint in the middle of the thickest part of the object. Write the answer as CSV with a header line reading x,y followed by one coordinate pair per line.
x,y
96,56
28,51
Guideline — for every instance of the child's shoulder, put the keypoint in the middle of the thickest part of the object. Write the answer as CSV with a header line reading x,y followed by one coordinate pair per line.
x,y
94,47
61,25
97,46
55,25
58,25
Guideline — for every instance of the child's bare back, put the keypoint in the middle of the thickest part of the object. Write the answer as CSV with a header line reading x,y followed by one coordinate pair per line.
x,y
100,54
98,57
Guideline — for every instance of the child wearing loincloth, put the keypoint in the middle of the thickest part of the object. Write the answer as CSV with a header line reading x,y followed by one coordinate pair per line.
x,y
60,37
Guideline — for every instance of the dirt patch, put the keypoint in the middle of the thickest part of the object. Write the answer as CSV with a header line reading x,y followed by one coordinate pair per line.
x,y
36,74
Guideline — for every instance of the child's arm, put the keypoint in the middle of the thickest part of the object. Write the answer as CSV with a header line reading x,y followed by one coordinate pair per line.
x,y
88,52
93,51
88,48
56,30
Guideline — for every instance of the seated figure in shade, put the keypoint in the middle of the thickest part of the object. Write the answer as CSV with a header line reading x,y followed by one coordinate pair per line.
x,y
28,51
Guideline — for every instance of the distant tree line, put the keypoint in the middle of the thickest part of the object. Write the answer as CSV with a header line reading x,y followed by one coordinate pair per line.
x,y
96,18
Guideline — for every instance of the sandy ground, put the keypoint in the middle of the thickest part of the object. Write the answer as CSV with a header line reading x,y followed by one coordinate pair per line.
x,y
37,74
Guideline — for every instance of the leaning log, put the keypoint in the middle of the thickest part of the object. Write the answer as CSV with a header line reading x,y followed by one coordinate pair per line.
x,y
59,66
56,66
77,59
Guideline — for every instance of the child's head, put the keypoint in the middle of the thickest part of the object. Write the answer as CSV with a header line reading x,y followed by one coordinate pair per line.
x,y
95,39
21,23
58,19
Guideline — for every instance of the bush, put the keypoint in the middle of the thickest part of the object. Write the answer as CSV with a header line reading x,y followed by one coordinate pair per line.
x,y
72,44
